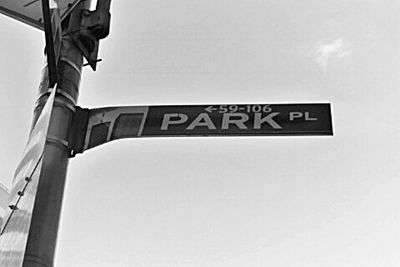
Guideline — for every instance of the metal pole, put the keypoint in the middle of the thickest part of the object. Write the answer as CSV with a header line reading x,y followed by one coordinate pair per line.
x,y
42,236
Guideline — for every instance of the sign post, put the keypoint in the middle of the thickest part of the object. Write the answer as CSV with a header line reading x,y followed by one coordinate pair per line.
x,y
37,246
41,243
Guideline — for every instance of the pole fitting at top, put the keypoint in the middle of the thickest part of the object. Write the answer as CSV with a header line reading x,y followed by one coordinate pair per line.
x,y
94,26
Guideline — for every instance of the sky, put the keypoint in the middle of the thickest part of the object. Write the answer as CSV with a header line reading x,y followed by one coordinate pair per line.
x,y
237,201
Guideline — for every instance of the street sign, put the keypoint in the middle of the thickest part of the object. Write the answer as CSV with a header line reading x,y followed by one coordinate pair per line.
x,y
98,126
16,222
226,120
30,11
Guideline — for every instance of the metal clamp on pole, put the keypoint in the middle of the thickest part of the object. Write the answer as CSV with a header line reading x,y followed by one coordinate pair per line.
x,y
78,131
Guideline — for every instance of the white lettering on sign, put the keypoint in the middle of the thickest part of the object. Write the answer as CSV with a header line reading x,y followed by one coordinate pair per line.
x,y
296,115
235,108
173,118
228,120
307,116
202,120
234,118
269,119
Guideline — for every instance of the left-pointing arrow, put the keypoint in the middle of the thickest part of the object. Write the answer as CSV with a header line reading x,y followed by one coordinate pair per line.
x,y
210,109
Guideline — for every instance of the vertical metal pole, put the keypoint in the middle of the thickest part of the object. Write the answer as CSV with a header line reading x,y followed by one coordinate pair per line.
x,y
42,236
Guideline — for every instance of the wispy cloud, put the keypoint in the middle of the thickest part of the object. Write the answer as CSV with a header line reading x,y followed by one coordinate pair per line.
x,y
325,52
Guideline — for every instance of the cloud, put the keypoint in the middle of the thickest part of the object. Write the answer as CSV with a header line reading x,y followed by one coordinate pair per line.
x,y
325,52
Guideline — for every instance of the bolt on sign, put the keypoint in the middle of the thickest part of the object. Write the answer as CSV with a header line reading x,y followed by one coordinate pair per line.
x,y
16,222
101,125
